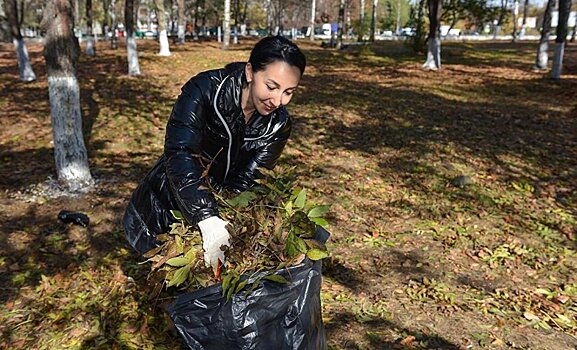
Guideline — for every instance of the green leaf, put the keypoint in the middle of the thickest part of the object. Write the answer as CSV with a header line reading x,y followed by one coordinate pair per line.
x,y
179,276
300,245
178,261
177,215
240,286
317,254
242,200
276,278
289,207
318,211
320,221
301,199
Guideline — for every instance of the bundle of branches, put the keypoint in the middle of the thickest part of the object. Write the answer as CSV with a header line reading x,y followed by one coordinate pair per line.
x,y
272,228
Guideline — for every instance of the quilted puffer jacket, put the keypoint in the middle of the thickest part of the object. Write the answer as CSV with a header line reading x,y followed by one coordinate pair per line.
x,y
206,130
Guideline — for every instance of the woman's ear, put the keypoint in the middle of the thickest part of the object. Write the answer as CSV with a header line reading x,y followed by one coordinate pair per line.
x,y
248,72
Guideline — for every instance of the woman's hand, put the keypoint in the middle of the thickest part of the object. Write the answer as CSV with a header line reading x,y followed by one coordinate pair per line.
x,y
214,235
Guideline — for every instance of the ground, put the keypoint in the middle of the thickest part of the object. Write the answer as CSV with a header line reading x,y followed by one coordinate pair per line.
x,y
453,197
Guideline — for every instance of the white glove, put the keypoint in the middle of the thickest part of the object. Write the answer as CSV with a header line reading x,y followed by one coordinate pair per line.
x,y
214,235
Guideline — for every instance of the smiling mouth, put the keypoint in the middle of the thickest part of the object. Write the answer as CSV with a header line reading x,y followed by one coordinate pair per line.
x,y
269,107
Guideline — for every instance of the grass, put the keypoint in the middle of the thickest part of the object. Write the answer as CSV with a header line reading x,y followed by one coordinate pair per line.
x,y
417,263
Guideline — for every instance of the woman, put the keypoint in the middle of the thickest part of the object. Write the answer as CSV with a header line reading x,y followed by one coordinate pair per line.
x,y
228,121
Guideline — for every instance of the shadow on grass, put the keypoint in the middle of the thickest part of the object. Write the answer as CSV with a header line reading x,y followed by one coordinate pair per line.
x,y
376,335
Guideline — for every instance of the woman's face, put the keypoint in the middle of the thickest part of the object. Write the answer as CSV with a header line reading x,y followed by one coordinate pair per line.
x,y
273,86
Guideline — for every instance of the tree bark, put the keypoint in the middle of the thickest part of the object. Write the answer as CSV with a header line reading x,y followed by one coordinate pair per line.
x,y
524,23
90,50
341,25
543,47
61,51
312,22
24,67
226,25
361,20
515,16
131,50
564,11
433,61
503,9
374,20
181,22
162,35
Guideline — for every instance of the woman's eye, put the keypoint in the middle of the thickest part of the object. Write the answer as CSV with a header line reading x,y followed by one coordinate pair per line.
x,y
288,93
271,88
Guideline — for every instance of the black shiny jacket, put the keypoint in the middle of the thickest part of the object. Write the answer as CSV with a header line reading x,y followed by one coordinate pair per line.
x,y
206,126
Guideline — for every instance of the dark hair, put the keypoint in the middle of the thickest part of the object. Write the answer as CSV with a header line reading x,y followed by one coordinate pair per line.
x,y
276,48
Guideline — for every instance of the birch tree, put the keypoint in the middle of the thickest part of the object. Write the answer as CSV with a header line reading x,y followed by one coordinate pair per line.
x,y
162,35
433,61
564,10
543,47
312,22
90,50
26,71
181,22
132,52
341,24
61,51
226,25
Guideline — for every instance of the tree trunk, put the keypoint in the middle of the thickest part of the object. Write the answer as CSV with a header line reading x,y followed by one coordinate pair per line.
x,y
564,11
515,17
312,22
26,71
61,50
181,22
90,50
374,20
419,37
503,9
433,61
524,23
361,20
398,21
132,52
341,25
162,35
543,48
226,25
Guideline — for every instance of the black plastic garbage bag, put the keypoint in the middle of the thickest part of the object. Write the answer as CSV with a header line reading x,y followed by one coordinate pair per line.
x,y
272,317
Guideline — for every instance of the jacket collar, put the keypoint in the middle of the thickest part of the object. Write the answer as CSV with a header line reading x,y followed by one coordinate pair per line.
x,y
228,94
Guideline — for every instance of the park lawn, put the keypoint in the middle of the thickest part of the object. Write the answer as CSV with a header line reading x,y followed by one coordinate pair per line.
x,y
418,262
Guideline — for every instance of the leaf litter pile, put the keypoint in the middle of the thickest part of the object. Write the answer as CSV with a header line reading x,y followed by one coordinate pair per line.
x,y
272,228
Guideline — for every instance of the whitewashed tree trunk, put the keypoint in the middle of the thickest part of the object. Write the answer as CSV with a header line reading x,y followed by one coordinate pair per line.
x,y
61,50
90,49
341,25
133,66
515,17
162,35
564,11
558,60
24,67
312,22
226,25
132,52
543,47
181,22
433,61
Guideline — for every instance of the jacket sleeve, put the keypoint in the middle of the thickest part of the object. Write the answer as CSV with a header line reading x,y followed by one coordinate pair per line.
x,y
183,142
265,156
